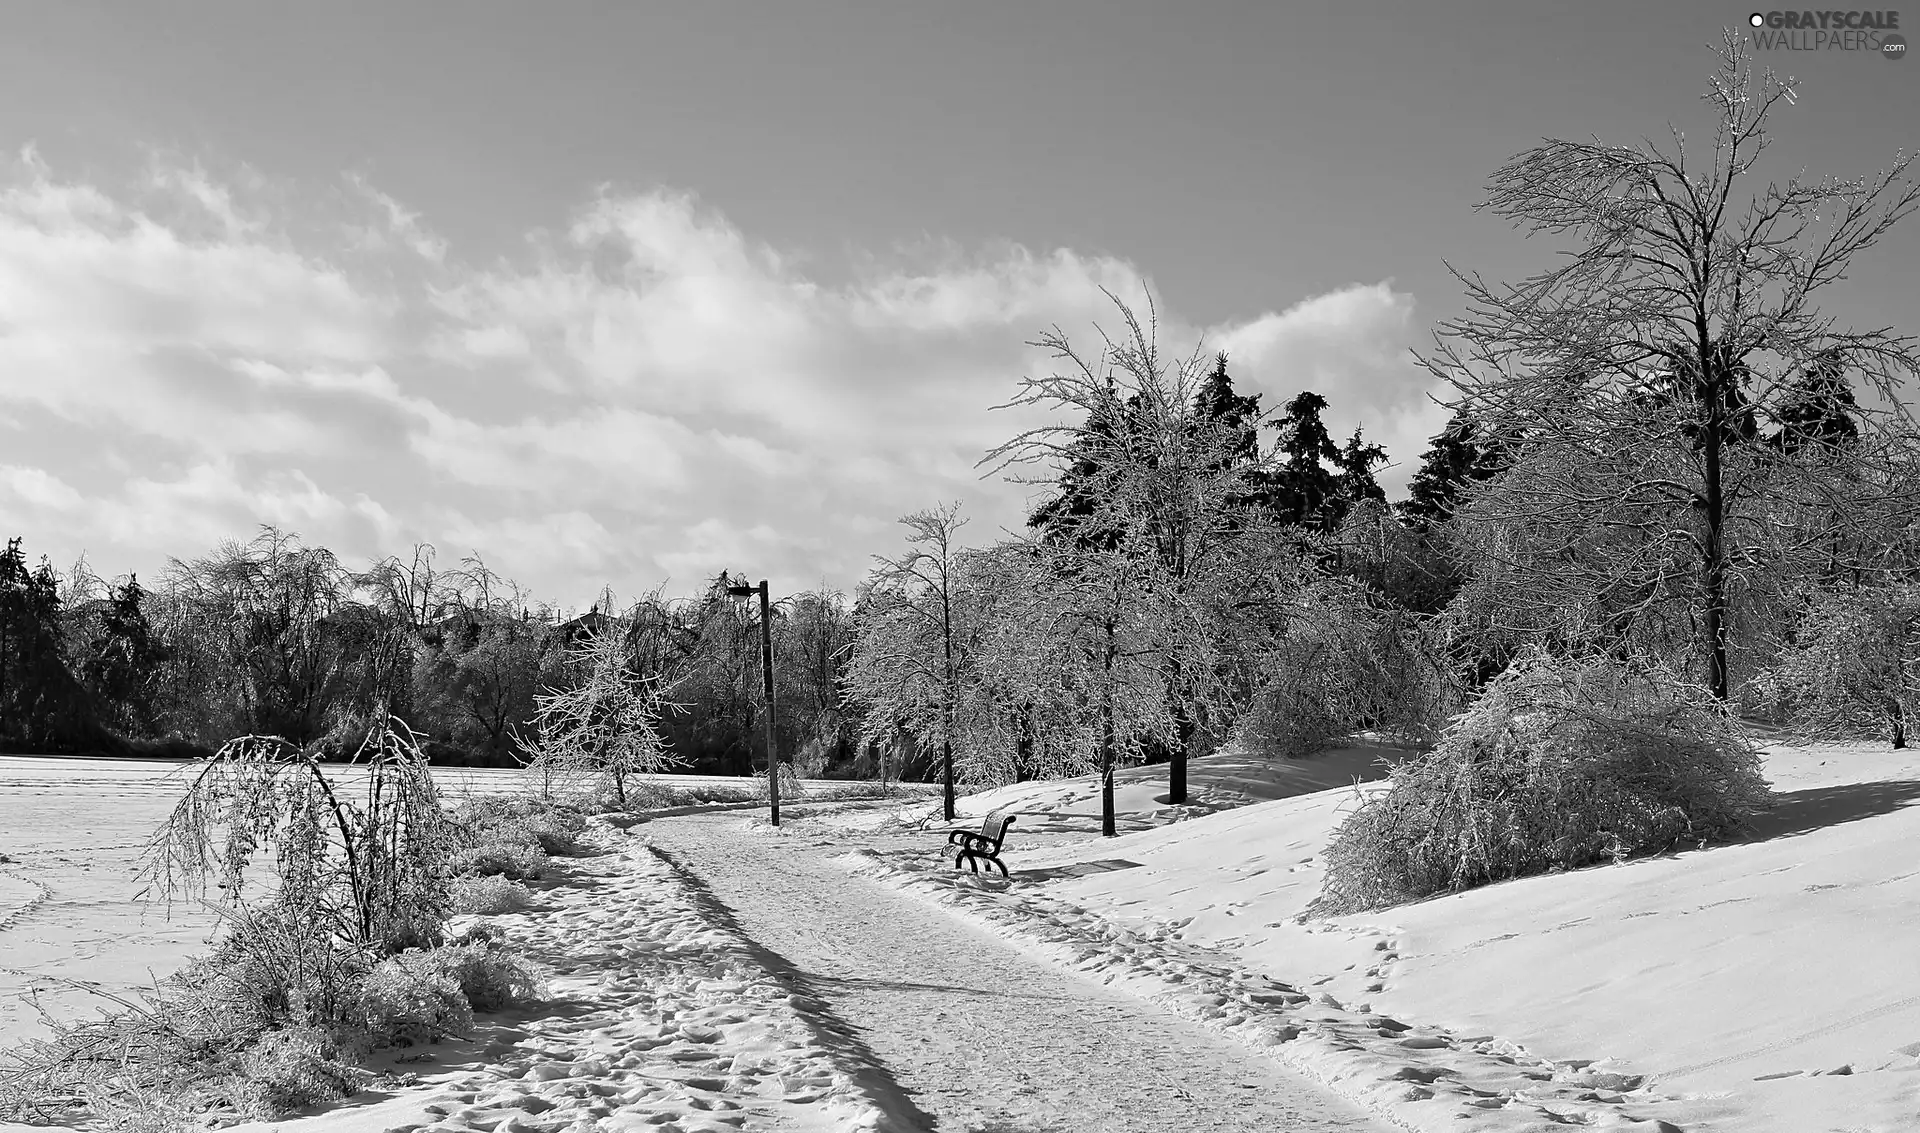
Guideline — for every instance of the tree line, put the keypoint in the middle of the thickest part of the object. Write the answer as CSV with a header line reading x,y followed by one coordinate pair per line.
x,y
1661,453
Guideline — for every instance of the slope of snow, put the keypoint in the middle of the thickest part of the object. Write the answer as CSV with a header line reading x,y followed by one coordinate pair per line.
x,y
1769,985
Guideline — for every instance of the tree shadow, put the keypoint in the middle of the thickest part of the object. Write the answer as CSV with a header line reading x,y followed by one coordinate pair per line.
x,y
861,983
1076,869
1818,808
840,1037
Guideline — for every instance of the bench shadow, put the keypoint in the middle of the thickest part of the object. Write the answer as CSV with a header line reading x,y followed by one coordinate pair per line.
x,y
840,1037
1818,808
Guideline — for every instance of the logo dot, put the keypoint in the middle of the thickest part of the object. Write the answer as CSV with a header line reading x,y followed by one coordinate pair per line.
x,y
1893,46
1757,19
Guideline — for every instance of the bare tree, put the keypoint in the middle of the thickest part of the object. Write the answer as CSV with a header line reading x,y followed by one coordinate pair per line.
x,y
1633,377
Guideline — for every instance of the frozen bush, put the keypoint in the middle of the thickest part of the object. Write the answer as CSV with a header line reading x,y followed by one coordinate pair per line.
x,y
406,1001
291,1069
1558,764
491,979
1853,667
513,820
516,863
489,894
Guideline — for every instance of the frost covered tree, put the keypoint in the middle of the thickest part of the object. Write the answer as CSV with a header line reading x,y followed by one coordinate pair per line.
x,y
904,672
1633,377
251,614
1155,481
1112,620
604,724
1853,668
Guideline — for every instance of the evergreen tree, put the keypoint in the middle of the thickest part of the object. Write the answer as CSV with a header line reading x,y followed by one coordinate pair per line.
x,y
123,658
41,705
1353,479
1316,480
1456,458
1819,407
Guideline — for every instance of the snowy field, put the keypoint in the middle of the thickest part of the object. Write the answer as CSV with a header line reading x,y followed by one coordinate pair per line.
x,y
709,972
71,832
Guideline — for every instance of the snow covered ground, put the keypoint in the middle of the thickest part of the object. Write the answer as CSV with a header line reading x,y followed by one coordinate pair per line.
x,y
1766,986
71,830
655,1016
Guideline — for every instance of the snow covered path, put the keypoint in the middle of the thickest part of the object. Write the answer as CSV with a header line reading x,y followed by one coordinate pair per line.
x,y
952,1029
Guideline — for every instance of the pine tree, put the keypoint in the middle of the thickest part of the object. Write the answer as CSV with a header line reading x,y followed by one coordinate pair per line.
x,y
1819,407
123,658
1455,459
41,704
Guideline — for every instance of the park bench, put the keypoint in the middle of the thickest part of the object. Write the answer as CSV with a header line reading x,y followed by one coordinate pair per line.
x,y
982,845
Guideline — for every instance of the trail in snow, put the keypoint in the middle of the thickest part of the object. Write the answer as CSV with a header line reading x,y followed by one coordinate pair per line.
x,y
953,1029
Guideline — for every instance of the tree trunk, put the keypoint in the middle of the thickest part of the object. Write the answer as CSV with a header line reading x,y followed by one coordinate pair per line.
x,y
1177,763
1714,378
1023,746
1108,827
1899,723
946,755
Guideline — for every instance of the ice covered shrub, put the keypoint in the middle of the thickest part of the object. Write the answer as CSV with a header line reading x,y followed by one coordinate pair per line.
x,y
364,861
291,1069
489,894
407,1001
516,863
267,970
1558,764
791,789
490,978
514,820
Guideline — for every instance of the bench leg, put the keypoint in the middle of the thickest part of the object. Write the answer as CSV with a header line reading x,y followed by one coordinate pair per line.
x,y
999,865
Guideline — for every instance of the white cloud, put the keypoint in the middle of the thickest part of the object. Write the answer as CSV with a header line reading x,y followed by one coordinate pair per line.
x,y
650,393
1351,346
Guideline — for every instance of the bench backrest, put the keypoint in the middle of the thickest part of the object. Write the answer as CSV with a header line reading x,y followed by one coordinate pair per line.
x,y
994,829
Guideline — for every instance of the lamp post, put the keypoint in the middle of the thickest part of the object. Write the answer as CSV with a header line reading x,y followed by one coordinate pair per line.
x,y
766,672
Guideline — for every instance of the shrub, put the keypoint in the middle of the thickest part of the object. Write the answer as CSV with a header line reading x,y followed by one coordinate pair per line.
x,y
491,979
790,788
553,827
1558,764
290,1069
1853,668
486,895
406,1001
266,970
261,800
517,863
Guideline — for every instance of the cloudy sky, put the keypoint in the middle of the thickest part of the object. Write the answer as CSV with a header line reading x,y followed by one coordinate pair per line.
x,y
632,293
